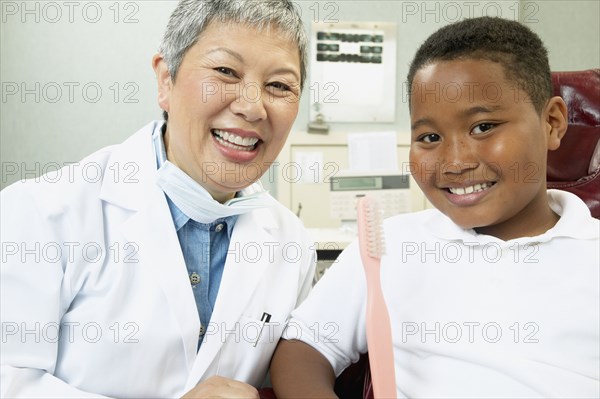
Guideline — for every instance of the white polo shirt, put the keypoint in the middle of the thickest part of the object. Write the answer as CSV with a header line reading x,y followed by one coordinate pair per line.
x,y
472,315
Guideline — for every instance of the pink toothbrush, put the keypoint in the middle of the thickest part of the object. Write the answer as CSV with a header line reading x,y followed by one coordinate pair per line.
x,y
379,333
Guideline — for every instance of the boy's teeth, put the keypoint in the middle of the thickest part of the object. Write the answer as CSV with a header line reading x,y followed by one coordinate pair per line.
x,y
468,190
234,139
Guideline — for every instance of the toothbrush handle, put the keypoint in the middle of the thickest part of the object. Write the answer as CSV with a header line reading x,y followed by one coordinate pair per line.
x,y
379,336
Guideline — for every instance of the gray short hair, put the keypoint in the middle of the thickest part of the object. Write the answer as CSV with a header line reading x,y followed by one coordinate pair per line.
x,y
191,17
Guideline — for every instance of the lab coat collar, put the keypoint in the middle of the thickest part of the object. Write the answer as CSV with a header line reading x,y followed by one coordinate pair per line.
x,y
152,231
130,173
150,228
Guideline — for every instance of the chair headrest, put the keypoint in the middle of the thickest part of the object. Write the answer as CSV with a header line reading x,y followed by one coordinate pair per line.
x,y
579,152
581,92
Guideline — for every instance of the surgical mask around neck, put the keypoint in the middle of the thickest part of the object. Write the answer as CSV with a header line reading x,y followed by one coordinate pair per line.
x,y
196,203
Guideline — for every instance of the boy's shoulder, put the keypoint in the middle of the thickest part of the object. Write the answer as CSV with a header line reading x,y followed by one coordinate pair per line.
x,y
575,218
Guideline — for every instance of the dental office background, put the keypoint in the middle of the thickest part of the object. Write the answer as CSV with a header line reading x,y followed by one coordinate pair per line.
x,y
76,75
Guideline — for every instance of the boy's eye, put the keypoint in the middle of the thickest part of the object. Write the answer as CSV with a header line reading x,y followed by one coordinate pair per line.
x,y
429,138
482,128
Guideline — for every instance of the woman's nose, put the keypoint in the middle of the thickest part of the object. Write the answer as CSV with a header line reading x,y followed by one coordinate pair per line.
x,y
249,102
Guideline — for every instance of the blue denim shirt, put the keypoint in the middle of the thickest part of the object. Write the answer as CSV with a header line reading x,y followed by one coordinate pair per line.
x,y
204,248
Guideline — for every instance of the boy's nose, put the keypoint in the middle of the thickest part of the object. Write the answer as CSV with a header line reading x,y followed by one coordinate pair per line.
x,y
459,156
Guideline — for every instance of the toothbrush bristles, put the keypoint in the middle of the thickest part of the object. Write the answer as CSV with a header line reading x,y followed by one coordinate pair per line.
x,y
374,226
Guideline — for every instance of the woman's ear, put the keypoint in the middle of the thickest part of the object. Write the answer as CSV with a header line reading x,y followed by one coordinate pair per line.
x,y
164,81
555,116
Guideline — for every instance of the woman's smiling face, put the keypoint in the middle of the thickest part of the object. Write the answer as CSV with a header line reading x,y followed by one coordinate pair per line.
x,y
232,105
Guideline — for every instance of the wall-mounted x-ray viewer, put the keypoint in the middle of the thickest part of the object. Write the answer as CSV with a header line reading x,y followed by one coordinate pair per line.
x,y
353,72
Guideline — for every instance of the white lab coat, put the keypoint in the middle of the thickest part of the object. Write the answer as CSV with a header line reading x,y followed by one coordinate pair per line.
x,y
93,249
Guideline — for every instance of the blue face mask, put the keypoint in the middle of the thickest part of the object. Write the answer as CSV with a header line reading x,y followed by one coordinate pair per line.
x,y
196,203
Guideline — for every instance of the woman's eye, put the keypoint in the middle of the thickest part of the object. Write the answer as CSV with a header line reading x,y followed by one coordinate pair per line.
x,y
280,86
429,138
225,71
482,128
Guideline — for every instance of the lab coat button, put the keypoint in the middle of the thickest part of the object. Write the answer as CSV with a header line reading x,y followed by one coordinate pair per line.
x,y
194,279
219,227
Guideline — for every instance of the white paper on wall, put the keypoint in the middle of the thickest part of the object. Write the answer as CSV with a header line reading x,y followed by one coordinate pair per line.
x,y
310,165
375,151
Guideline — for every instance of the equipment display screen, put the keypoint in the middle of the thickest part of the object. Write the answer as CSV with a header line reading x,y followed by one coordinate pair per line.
x,y
358,183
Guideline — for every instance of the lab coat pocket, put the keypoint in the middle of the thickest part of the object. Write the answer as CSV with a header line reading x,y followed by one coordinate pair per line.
x,y
261,332
248,349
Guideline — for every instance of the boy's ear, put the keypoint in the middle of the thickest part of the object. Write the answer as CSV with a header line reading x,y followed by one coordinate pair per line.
x,y
164,81
555,116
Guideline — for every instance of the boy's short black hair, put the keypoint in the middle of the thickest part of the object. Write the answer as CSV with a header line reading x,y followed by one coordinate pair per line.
x,y
520,51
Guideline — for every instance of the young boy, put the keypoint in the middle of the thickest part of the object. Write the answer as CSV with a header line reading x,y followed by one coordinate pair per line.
x,y
494,293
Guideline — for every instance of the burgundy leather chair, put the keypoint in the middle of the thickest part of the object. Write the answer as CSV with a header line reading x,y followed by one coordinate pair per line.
x,y
574,167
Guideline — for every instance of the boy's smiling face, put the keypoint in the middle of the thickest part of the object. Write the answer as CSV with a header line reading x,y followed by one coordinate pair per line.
x,y
479,147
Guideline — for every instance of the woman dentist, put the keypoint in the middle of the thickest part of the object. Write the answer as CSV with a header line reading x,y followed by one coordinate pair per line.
x,y
177,278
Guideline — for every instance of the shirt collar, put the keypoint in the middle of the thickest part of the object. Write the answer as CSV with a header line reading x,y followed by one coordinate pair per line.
x,y
159,144
575,222
180,220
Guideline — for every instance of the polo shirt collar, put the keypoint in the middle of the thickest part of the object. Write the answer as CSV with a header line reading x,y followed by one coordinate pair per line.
x,y
575,222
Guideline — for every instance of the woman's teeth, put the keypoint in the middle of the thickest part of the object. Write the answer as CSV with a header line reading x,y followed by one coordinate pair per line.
x,y
470,189
233,141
